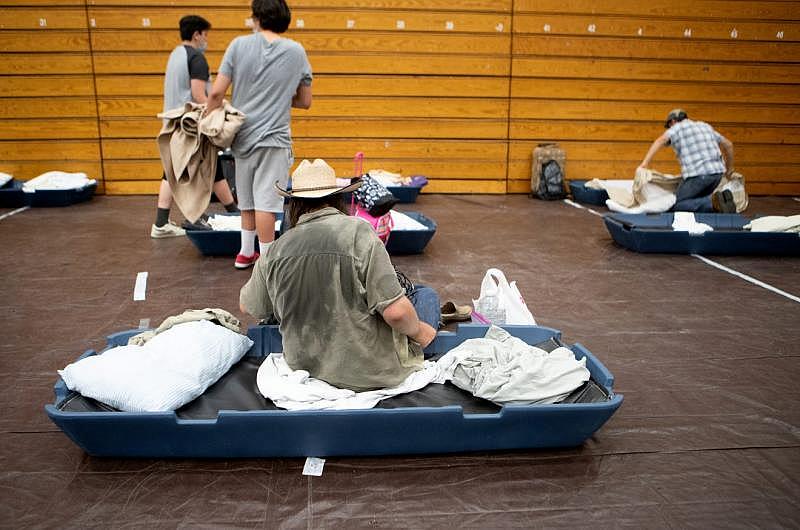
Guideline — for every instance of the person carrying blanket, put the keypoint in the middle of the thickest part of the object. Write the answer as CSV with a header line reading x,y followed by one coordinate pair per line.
x,y
697,146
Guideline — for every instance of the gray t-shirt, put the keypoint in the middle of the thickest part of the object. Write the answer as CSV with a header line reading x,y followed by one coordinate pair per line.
x,y
328,281
265,77
184,64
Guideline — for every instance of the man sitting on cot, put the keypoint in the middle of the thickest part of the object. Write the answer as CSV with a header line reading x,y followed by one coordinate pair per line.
x,y
697,146
328,281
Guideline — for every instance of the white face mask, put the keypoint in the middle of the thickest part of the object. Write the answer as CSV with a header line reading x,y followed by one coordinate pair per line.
x,y
202,43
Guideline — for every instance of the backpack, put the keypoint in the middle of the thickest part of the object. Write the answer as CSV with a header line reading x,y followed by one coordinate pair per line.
x,y
547,175
382,224
374,197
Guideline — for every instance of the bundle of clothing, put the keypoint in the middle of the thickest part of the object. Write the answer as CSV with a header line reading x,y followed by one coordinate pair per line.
x,y
188,144
774,223
389,179
57,180
654,192
498,367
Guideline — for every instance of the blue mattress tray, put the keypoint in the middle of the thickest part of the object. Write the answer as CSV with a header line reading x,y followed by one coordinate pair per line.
x,y
411,241
220,242
653,233
405,194
12,196
377,431
228,242
580,193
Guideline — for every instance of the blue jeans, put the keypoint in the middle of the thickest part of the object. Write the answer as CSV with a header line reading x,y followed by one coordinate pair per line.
x,y
694,193
426,301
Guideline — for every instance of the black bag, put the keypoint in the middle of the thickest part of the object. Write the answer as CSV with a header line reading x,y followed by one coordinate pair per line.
x,y
551,183
374,197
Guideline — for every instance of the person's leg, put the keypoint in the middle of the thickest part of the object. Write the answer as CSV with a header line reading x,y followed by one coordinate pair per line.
x,y
426,302
694,194
273,168
265,226
223,191
244,186
162,227
164,195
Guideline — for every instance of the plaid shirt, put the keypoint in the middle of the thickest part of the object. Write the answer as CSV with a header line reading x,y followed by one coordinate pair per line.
x,y
696,144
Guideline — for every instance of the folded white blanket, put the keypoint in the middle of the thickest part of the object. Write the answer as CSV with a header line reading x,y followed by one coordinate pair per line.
x,y
5,178
401,221
774,223
686,222
226,223
57,180
297,390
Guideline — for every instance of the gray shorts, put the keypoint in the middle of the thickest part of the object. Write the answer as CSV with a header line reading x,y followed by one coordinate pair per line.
x,y
257,174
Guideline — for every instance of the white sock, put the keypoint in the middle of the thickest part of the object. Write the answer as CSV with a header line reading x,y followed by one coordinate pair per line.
x,y
262,247
248,243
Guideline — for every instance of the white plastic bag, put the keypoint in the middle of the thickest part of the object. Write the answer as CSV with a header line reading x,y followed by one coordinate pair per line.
x,y
500,302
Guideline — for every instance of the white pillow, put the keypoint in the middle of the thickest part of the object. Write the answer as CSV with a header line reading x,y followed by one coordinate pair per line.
x,y
168,371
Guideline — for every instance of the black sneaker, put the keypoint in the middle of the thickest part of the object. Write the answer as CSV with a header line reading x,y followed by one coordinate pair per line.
x,y
200,224
722,201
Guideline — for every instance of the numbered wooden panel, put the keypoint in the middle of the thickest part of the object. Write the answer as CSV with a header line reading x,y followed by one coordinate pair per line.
x,y
48,119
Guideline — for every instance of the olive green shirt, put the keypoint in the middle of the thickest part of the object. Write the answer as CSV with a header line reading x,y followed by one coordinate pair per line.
x,y
328,281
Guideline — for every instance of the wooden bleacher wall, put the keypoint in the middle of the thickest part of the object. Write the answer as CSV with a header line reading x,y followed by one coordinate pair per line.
x,y
460,91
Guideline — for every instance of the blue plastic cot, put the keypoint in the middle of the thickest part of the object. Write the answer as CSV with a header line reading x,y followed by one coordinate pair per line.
x,y
435,419
13,196
653,233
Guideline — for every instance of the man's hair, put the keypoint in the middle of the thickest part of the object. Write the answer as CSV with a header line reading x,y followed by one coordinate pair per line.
x,y
272,15
299,206
191,23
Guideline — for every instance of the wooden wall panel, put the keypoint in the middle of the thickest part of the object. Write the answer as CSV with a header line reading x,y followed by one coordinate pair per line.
x,y
48,108
458,90
419,87
599,77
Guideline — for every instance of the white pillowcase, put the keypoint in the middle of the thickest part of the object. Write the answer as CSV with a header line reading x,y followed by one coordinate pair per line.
x,y
168,371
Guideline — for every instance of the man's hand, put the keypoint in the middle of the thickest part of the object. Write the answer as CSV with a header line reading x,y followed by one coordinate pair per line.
x,y
425,335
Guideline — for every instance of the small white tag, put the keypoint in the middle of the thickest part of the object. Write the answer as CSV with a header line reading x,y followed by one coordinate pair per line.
x,y
351,23
401,24
313,466
448,25
140,287
144,323
300,23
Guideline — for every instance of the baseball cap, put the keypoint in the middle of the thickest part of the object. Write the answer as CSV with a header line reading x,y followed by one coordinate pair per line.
x,y
675,114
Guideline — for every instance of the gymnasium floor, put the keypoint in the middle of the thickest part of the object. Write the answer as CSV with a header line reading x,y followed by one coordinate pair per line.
x,y
708,435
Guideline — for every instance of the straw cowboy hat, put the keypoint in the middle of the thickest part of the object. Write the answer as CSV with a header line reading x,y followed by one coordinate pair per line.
x,y
314,180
